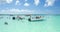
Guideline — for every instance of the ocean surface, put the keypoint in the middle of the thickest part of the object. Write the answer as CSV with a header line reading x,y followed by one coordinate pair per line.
x,y
51,23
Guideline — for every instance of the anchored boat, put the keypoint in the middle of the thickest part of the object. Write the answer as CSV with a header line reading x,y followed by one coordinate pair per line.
x,y
36,18
18,17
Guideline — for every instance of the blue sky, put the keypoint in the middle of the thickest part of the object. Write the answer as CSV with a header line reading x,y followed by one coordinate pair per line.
x,y
29,6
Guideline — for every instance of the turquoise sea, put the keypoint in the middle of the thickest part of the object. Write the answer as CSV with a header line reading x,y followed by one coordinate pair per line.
x,y
51,23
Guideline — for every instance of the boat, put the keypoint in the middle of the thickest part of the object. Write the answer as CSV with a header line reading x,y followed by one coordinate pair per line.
x,y
36,18
18,17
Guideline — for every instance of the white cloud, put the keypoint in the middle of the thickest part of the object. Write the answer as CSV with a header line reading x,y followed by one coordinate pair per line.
x,y
49,3
9,1
26,4
25,11
5,1
36,2
17,2
16,11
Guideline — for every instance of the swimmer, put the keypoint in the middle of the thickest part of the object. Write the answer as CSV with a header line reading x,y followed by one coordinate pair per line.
x,y
6,23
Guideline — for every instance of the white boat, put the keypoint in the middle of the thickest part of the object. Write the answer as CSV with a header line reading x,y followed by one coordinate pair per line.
x,y
36,18
18,17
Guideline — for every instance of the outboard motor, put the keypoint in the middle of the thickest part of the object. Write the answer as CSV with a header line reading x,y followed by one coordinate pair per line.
x,y
29,19
13,18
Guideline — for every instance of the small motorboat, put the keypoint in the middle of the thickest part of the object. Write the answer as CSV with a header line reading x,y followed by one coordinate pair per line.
x,y
18,17
36,18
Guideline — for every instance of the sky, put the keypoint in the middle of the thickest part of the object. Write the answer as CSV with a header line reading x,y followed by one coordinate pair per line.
x,y
29,6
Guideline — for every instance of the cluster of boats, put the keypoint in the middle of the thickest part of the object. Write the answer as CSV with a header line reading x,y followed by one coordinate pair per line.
x,y
31,18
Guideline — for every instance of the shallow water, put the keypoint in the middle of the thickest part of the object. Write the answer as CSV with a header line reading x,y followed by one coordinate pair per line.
x,y
51,23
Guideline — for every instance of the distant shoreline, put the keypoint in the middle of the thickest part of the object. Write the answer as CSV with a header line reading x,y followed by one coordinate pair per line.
x,y
27,14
